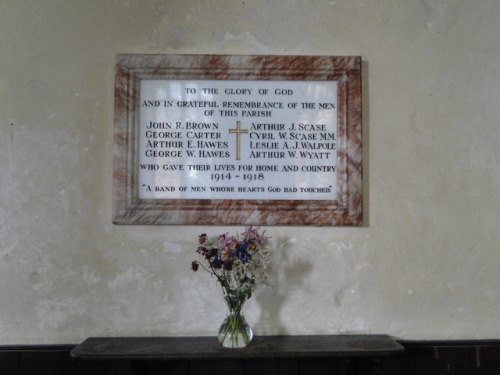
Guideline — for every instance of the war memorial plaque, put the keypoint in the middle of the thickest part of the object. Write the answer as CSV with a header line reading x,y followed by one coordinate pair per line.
x,y
237,140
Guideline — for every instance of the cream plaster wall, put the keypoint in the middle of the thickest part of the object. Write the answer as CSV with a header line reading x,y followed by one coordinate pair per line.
x,y
426,264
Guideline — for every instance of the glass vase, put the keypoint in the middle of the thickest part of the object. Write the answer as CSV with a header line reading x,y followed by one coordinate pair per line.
x,y
235,332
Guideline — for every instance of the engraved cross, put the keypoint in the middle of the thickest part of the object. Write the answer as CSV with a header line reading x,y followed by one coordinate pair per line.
x,y
238,131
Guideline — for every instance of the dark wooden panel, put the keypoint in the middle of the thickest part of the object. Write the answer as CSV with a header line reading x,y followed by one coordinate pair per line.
x,y
272,367
222,367
327,367
160,367
94,368
483,360
429,358
9,362
46,362
99,368
356,366
397,365
438,360
123,368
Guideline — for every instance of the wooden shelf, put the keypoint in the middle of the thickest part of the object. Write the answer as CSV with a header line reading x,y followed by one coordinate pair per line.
x,y
261,347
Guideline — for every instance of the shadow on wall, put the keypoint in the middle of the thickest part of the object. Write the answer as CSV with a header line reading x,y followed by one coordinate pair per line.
x,y
285,274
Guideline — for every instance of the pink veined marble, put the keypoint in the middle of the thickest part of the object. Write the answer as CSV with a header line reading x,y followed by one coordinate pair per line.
x,y
346,209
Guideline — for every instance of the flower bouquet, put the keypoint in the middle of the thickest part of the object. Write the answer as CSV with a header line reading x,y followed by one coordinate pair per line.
x,y
239,265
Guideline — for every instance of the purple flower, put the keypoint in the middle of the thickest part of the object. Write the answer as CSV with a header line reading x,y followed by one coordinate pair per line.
x,y
222,241
216,262
202,238
250,233
233,260
252,236
228,264
242,252
202,250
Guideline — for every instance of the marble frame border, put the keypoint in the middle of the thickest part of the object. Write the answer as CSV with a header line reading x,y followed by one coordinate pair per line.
x,y
347,209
